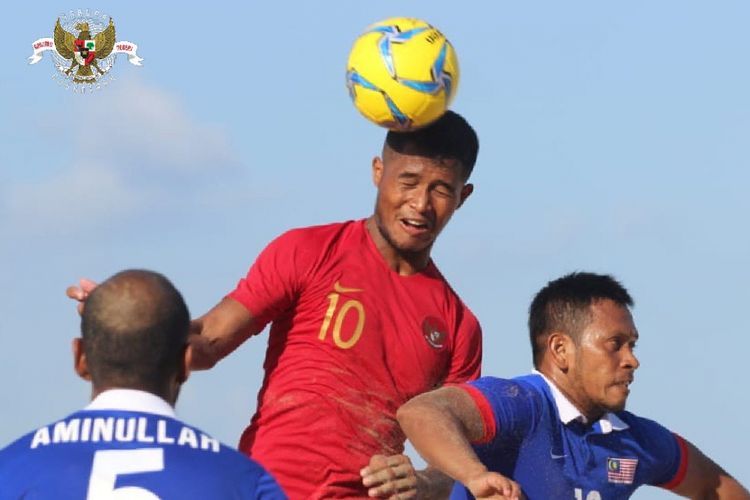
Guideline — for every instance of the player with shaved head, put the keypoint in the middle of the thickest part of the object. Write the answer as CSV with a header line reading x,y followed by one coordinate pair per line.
x,y
127,443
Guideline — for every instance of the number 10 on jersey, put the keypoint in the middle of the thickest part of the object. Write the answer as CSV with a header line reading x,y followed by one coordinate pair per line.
x,y
351,306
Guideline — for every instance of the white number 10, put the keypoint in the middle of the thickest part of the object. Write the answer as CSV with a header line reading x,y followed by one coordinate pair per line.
x,y
108,464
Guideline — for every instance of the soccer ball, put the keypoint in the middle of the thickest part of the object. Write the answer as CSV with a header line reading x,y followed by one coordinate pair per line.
x,y
402,73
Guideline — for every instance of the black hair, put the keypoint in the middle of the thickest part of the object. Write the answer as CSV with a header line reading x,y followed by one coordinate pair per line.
x,y
135,327
448,137
564,306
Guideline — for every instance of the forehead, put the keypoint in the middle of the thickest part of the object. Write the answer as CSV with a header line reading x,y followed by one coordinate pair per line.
x,y
399,161
608,317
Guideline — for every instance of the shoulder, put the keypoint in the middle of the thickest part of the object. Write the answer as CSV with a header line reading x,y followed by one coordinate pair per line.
x,y
465,314
646,432
14,453
28,455
319,235
526,385
524,390
510,408
662,453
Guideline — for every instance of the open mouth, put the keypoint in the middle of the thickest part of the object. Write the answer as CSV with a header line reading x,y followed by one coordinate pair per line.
x,y
416,225
625,384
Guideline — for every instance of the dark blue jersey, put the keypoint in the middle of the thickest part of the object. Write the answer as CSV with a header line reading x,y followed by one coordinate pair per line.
x,y
527,441
115,454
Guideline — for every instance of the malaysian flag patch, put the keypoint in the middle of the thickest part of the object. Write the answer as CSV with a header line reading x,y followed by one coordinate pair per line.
x,y
621,470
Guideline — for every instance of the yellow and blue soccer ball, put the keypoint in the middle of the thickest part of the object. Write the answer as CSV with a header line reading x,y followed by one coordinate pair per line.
x,y
402,73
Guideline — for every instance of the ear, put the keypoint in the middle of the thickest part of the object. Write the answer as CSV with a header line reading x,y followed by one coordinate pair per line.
x,y
80,363
187,359
465,193
377,170
560,349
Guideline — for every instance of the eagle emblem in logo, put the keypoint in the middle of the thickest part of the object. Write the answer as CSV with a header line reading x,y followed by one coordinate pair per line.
x,y
435,332
83,49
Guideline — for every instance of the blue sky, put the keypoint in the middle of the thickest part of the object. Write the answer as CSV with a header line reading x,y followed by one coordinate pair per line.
x,y
613,139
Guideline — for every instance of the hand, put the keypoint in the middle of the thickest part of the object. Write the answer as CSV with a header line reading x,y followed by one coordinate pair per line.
x,y
81,292
491,485
391,477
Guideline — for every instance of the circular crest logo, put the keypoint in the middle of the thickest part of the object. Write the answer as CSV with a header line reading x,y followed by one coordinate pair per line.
x,y
434,331
84,49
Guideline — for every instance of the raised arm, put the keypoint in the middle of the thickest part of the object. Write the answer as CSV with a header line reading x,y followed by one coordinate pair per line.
x,y
212,336
705,480
219,332
441,425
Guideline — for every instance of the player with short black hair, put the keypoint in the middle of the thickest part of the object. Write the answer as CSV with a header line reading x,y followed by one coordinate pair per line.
x,y
563,305
451,137
127,442
562,432
361,320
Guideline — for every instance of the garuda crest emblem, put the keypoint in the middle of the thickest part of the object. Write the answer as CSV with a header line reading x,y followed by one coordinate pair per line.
x,y
84,48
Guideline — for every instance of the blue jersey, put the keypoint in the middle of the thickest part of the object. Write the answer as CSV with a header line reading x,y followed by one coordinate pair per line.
x,y
126,454
525,440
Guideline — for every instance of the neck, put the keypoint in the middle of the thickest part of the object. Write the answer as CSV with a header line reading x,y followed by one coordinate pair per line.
x,y
567,388
404,263
165,395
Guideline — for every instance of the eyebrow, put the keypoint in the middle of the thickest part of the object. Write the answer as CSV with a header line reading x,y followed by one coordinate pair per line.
x,y
621,333
408,175
414,175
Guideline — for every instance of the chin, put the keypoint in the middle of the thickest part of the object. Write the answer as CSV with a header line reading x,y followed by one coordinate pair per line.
x,y
619,406
408,246
414,249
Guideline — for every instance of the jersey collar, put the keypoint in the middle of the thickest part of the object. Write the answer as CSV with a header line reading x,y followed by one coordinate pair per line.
x,y
131,400
568,412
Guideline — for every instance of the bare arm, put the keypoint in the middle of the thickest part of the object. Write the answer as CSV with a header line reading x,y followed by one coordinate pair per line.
x,y
212,336
219,332
395,477
441,425
705,480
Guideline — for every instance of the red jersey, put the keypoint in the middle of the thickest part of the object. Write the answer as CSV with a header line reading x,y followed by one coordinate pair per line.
x,y
351,341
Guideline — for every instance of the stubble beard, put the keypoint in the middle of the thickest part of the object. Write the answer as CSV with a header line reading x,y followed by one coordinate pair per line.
x,y
407,254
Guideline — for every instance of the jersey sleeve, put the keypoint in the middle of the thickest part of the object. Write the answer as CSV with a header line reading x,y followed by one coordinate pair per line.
x,y
676,464
466,361
667,454
275,280
508,408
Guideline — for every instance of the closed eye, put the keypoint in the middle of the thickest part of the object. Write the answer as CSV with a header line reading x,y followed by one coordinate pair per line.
x,y
408,180
444,191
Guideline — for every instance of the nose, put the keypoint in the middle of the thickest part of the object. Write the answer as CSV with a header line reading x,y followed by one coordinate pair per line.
x,y
420,200
630,360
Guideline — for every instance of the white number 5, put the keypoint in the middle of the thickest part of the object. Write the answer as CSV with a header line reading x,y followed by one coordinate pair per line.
x,y
108,464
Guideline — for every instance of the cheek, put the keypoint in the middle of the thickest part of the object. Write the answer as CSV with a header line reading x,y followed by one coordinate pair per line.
x,y
593,376
386,201
444,208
